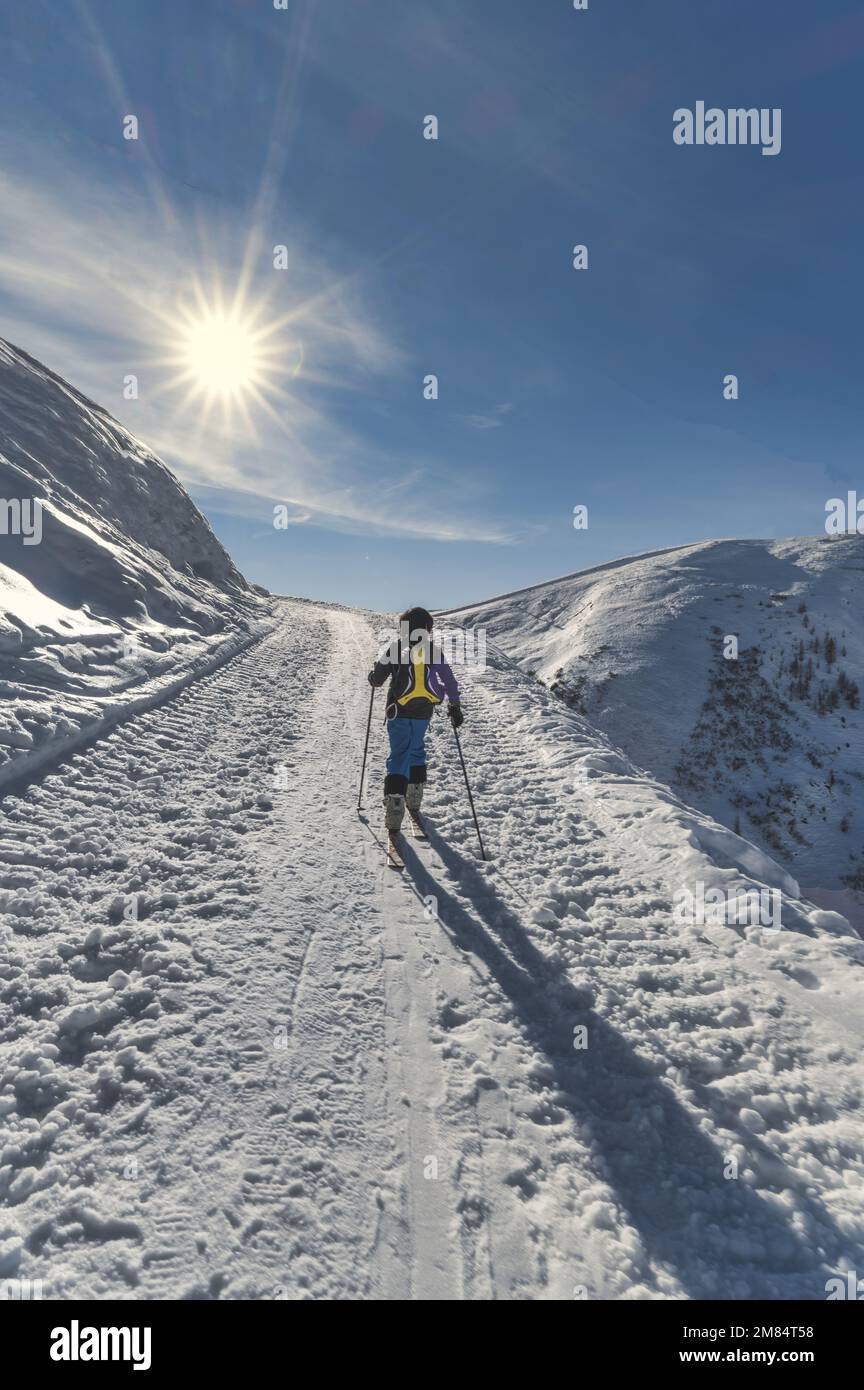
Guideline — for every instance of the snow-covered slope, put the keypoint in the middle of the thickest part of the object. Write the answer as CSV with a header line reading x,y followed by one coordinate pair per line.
x,y
770,741
240,1058
112,585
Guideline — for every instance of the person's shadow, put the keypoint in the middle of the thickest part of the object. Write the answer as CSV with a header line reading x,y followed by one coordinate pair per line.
x,y
722,1239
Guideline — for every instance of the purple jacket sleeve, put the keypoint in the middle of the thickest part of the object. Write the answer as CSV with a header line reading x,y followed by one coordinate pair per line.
x,y
448,680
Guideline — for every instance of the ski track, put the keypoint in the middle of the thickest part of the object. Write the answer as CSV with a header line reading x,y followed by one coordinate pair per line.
x,y
297,1074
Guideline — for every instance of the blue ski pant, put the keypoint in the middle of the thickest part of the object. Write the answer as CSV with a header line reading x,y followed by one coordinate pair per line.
x,y
407,760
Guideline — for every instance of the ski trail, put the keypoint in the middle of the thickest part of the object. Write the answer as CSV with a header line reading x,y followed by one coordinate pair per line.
x,y
464,1122
241,1058
415,1247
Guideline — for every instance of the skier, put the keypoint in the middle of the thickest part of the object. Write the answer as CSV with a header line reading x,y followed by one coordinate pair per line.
x,y
418,683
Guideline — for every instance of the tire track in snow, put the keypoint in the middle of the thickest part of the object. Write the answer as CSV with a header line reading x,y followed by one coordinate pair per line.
x,y
113,1025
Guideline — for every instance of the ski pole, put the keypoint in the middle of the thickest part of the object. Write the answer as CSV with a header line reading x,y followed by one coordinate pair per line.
x,y
468,789
365,749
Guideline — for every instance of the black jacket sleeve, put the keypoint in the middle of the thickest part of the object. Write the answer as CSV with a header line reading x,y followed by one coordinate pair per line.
x,y
381,672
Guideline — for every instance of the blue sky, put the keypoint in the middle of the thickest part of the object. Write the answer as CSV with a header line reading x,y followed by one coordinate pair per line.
x,y
303,128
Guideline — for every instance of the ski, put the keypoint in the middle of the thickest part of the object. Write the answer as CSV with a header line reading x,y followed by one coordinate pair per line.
x,y
394,858
418,829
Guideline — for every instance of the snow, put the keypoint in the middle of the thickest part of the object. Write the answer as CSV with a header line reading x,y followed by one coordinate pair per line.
x,y
241,1058
23,606
637,646
128,592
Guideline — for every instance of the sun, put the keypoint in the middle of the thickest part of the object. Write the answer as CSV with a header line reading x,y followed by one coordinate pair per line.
x,y
222,354
230,355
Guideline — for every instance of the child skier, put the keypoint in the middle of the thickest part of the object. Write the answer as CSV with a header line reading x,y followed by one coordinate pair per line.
x,y
418,682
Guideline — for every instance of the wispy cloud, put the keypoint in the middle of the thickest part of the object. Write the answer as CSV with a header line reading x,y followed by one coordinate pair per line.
x,y
93,272
492,420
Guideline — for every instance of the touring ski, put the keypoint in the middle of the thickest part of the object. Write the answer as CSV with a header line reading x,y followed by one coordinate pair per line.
x,y
394,858
418,829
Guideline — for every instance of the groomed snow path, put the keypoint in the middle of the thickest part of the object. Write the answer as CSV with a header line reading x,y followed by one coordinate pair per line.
x,y
240,1058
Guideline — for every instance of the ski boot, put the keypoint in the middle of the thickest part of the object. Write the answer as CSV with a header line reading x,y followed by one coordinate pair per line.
x,y
394,810
413,801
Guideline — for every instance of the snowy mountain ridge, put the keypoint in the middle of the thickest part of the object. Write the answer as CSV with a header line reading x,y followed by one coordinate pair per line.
x,y
125,592
764,733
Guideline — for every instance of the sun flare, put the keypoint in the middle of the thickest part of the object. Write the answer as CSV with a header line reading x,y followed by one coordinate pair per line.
x,y
231,355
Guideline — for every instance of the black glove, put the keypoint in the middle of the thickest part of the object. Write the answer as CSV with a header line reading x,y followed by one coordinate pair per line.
x,y
454,711
371,678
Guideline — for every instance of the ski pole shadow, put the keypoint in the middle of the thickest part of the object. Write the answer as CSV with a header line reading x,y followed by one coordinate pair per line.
x,y
723,1240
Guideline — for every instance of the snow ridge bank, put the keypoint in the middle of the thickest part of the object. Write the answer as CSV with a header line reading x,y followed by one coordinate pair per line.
x,y
730,670
114,591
